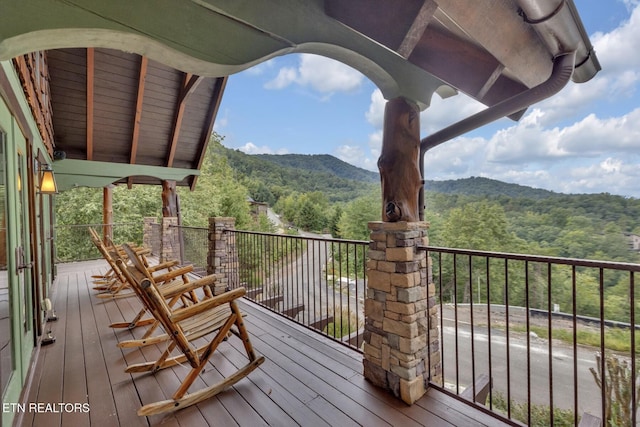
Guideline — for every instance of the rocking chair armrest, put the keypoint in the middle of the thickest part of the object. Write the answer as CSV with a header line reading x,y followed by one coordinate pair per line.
x,y
162,266
170,275
207,304
190,286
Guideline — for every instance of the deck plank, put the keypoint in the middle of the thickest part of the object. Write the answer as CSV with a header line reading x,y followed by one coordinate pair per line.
x,y
51,382
306,380
74,376
103,406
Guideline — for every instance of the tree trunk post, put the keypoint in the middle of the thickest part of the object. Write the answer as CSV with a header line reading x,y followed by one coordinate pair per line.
x,y
107,213
401,347
399,162
169,199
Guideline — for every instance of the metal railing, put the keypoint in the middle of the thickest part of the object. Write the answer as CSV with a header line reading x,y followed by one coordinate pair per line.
x,y
73,242
193,245
548,364
316,282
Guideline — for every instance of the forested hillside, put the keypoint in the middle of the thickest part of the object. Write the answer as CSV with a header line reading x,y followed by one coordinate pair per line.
x,y
271,177
324,194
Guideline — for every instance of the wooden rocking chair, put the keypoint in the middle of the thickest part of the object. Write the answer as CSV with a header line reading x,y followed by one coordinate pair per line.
x,y
111,279
174,286
184,326
172,293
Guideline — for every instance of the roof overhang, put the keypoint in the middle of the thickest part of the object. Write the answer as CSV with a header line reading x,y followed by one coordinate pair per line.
x,y
487,49
492,50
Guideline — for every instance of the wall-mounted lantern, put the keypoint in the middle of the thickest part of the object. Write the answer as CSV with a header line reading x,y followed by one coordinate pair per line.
x,y
47,180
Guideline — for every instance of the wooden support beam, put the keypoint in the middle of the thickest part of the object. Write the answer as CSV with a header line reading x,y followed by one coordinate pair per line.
x,y
169,199
398,163
214,106
187,88
293,311
272,301
490,81
416,31
322,323
136,123
107,213
90,85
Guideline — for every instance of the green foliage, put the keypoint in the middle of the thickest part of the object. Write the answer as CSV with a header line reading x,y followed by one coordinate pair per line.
x,y
269,178
480,225
353,223
218,192
344,323
540,414
309,211
618,383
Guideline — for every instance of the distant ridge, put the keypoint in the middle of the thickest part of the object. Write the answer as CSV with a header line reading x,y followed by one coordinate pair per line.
x,y
478,186
321,163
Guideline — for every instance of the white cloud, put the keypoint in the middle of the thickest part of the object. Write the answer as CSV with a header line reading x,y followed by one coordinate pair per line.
x,y
285,77
375,113
322,74
261,68
357,156
251,148
445,112
617,52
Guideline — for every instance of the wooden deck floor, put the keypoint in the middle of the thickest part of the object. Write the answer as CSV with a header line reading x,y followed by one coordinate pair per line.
x,y
306,379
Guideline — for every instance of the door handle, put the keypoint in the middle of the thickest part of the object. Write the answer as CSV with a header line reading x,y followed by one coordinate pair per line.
x,y
20,261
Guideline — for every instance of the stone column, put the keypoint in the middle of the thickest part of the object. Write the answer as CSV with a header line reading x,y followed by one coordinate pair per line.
x,y
222,255
400,296
169,242
147,232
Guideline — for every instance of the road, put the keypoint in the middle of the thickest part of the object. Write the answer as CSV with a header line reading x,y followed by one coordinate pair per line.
x,y
589,398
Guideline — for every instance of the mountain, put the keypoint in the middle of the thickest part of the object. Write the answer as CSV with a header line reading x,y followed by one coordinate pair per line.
x,y
322,163
478,186
269,177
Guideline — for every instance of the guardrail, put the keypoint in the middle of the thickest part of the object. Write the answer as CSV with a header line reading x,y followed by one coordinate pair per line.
x,y
73,243
544,369
317,282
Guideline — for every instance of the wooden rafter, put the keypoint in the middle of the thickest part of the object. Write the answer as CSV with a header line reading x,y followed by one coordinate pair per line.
x,y
90,86
188,86
490,81
138,116
416,31
214,106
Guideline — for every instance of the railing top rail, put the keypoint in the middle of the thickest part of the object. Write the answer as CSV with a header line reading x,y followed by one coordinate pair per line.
x,y
188,227
626,266
97,225
317,238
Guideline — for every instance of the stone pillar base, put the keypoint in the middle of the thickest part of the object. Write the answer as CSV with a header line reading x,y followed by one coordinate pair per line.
x,y
222,255
397,306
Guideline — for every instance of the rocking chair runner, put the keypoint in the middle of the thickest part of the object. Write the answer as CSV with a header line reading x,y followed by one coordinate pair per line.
x,y
178,325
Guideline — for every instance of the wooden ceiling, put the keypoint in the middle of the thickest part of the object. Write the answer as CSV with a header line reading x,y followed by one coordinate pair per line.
x,y
118,107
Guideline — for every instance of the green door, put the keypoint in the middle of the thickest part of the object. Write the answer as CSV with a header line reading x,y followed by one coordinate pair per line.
x,y
22,251
16,287
7,363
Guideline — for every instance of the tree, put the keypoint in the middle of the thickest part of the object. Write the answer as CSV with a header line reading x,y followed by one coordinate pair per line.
x,y
353,223
480,225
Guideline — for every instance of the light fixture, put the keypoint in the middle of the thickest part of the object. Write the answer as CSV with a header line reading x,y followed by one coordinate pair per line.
x,y
47,181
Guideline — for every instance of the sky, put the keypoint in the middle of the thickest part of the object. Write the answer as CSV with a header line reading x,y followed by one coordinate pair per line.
x,y
585,139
